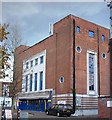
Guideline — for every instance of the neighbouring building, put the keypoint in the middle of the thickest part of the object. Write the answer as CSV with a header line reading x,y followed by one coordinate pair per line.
x,y
4,90
76,52
5,81
105,102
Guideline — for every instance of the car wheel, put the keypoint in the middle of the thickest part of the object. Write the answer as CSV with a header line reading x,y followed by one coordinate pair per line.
x,y
47,113
58,114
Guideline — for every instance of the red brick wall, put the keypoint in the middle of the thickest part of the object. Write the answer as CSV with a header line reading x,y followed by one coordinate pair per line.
x,y
86,43
104,111
62,29
59,55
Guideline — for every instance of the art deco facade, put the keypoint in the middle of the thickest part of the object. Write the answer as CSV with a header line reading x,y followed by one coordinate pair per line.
x,y
76,51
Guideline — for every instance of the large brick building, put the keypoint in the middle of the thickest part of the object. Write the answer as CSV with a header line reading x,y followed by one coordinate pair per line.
x,y
76,52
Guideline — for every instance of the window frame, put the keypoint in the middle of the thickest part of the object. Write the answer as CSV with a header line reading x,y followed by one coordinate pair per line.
x,y
95,91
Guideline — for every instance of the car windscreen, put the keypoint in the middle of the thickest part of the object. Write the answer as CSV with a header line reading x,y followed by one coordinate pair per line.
x,y
67,107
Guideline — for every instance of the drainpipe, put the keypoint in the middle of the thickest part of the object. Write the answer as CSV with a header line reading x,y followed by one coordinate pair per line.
x,y
110,47
98,63
74,92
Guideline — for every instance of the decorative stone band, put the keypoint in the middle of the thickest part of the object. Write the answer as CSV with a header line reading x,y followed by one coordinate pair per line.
x,y
44,94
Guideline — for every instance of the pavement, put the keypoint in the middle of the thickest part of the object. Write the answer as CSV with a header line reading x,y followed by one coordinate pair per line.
x,y
41,115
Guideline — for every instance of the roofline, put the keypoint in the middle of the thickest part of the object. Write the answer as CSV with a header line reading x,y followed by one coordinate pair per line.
x,y
36,43
70,15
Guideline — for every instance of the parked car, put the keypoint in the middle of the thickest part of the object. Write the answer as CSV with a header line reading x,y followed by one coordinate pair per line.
x,y
60,110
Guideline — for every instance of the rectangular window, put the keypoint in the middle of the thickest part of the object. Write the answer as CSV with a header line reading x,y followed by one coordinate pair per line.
x,y
31,63
23,84
78,29
27,65
92,73
41,81
41,59
26,86
36,61
91,34
35,86
31,76
103,37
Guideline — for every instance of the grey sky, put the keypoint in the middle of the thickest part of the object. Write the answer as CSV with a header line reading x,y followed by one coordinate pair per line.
x,y
34,17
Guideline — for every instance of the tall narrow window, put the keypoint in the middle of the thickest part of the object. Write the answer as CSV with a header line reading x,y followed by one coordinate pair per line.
x,y
41,59
27,65
41,81
92,73
36,61
31,76
23,84
35,86
31,63
26,86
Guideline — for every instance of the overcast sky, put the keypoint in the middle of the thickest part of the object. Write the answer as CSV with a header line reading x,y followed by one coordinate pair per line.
x,y
34,17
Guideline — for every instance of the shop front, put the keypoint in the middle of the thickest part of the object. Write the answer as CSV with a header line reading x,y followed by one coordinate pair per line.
x,y
35,101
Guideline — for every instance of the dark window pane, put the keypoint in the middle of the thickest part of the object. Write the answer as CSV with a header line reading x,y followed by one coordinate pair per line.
x,y
36,61
41,80
31,82
31,64
26,86
35,81
41,59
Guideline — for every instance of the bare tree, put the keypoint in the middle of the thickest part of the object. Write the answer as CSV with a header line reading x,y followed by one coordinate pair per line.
x,y
14,40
